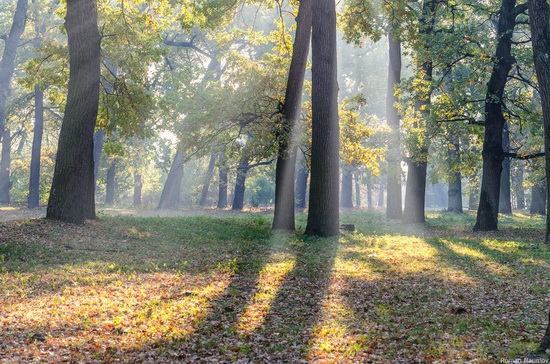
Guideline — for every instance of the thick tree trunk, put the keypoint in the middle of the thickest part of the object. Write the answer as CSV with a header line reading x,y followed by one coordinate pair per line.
x,y
455,194
301,187
538,200
72,192
487,213
240,185
7,64
357,179
284,217
110,184
171,193
323,217
222,189
346,198
394,203
539,11
505,196
415,194
203,202
545,342
370,204
34,181
138,186
5,167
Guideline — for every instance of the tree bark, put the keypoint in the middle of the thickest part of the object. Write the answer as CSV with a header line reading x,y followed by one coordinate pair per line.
x,y
99,136
538,200
539,11
518,186
171,193
323,217
110,184
34,181
138,186
505,196
72,191
240,185
394,203
545,342
7,64
357,179
203,202
455,185
370,204
284,217
487,212
381,194
346,198
222,190
5,167
301,187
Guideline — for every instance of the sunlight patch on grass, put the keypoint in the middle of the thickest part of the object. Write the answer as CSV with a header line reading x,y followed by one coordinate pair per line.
x,y
269,281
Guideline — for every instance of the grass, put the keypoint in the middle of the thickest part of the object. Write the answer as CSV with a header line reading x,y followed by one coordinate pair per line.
x,y
203,288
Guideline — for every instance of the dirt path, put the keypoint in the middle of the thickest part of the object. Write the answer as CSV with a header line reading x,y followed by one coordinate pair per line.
x,y
9,213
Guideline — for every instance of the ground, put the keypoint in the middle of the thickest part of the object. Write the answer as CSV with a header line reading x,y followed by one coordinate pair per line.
x,y
224,288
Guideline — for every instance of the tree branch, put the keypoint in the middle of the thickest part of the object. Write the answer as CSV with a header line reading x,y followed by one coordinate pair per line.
x,y
522,156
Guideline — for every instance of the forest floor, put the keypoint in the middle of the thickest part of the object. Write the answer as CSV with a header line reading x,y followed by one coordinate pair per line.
x,y
224,288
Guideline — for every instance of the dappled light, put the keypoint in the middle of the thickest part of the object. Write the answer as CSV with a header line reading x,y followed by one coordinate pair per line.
x,y
257,295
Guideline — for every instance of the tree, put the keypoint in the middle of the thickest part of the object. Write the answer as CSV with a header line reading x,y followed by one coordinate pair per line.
x,y
539,12
72,192
171,193
493,155
7,64
417,163
394,204
323,217
283,218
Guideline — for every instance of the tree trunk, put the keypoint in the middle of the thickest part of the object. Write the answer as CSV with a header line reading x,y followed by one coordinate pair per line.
x,y
203,202
394,203
357,189
171,193
539,11
34,181
99,136
301,187
110,184
545,342
370,204
518,186
7,64
72,191
455,185
381,194
138,186
538,200
487,212
323,217
222,190
240,185
284,217
5,167
415,194
455,194
346,198
505,196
